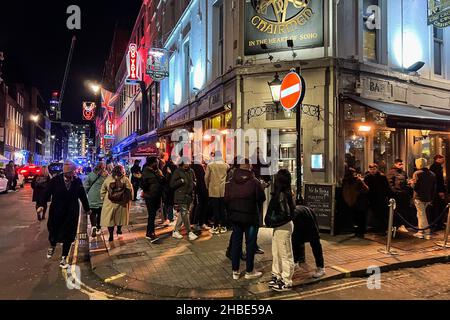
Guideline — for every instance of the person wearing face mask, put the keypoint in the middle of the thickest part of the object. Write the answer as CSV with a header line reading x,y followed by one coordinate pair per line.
x,y
65,192
152,185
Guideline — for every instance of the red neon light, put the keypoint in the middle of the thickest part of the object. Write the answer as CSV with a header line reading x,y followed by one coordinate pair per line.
x,y
132,58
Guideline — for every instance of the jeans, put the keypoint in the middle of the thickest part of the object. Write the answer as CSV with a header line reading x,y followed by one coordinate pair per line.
x,y
422,215
283,258
183,218
218,207
153,204
168,212
95,217
236,245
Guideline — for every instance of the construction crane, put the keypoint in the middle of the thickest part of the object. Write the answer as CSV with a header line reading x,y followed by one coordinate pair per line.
x,y
66,73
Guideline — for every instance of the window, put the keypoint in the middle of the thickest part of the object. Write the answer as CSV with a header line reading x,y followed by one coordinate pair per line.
x,y
370,32
187,71
438,40
219,37
172,73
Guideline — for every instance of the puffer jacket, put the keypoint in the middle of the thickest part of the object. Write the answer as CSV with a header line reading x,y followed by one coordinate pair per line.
x,y
244,195
398,180
152,183
183,184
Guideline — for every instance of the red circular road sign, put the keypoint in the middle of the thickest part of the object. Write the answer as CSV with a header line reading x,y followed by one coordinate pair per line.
x,y
292,90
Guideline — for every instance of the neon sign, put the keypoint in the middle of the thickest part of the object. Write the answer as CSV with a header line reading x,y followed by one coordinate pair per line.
x,y
89,111
133,64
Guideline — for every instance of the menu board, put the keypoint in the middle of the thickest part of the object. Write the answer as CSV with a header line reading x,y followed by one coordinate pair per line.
x,y
320,199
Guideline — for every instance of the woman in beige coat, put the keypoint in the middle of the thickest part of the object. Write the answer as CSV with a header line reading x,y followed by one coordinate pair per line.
x,y
114,214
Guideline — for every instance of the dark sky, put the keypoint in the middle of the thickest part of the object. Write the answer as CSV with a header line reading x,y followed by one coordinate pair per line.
x,y
36,43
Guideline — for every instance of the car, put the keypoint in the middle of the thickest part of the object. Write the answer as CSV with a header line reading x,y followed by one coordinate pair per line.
x,y
29,172
55,168
3,182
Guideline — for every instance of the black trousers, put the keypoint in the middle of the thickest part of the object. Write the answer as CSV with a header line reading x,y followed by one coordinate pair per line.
x,y
136,185
436,210
299,250
359,220
66,247
96,217
200,212
153,204
218,207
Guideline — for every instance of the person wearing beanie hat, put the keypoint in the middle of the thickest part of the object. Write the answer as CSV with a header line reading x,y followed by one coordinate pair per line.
x,y
65,192
424,186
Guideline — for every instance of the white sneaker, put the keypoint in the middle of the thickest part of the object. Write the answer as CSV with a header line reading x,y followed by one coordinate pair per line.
x,y
402,229
214,231
427,236
205,227
253,275
177,235
63,264
223,230
419,235
192,236
50,252
236,275
320,272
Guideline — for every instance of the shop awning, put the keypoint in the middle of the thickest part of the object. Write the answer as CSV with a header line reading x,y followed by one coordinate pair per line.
x,y
407,116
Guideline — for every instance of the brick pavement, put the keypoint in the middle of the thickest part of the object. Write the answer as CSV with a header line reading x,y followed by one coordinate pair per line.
x,y
174,268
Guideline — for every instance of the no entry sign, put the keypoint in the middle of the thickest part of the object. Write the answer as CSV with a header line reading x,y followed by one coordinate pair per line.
x,y
292,90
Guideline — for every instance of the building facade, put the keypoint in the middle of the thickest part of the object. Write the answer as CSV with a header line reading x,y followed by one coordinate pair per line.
x,y
376,71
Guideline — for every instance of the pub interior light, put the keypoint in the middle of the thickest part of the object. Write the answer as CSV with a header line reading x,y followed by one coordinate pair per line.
x,y
364,128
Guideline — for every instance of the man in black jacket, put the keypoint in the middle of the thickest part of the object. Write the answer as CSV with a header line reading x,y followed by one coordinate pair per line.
x,y
424,186
379,193
152,185
65,192
136,177
398,181
183,183
244,195
439,199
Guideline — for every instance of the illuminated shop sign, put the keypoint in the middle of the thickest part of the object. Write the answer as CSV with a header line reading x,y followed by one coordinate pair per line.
x,y
158,64
133,63
89,111
273,22
439,13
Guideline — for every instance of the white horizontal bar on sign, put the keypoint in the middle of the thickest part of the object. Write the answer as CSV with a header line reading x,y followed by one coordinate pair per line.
x,y
291,90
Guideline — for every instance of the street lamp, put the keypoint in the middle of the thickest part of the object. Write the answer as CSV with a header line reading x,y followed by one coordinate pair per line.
x,y
275,90
95,88
35,118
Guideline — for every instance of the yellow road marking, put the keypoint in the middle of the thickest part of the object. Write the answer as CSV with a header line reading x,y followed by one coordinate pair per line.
x,y
340,269
120,275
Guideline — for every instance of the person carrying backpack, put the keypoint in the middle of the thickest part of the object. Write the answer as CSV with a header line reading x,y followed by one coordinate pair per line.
x,y
117,193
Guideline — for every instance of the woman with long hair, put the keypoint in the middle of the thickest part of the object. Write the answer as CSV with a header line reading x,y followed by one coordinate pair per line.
x,y
93,185
40,185
117,193
279,217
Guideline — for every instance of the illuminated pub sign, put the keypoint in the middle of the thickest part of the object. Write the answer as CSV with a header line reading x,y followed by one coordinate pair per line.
x,y
89,111
133,64
273,22
158,64
439,13
109,126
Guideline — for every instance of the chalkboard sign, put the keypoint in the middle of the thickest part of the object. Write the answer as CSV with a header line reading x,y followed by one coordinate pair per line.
x,y
320,199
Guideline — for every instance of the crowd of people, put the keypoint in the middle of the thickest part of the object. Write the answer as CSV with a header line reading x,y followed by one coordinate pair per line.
x,y
423,194
213,197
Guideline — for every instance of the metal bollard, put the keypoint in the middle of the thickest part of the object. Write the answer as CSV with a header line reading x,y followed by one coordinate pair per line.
x,y
444,244
392,206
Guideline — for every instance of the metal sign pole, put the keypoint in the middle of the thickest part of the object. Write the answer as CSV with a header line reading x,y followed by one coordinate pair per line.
x,y
445,243
392,206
